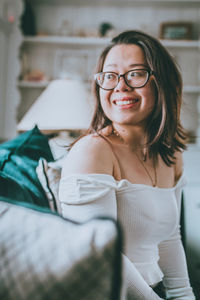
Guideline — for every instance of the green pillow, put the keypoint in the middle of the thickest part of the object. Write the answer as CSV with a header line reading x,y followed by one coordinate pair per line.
x,y
31,143
18,160
10,188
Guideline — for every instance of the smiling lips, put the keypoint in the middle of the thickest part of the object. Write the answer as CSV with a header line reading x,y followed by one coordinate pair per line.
x,y
126,102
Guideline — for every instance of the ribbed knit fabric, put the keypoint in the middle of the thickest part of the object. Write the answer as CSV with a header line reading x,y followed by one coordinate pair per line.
x,y
150,221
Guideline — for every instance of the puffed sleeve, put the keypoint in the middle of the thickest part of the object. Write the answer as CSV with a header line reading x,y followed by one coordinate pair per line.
x,y
173,261
85,196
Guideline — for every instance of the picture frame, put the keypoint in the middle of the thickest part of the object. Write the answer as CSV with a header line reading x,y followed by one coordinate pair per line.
x,y
176,31
71,63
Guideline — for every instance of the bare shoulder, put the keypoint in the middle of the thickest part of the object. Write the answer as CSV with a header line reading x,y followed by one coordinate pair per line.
x,y
178,167
91,154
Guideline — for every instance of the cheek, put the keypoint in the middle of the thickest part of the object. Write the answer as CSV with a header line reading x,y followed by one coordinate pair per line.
x,y
104,98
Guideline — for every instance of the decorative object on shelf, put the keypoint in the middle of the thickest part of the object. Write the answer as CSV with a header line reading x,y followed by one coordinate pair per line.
x,y
64,29
104,29
86,32
35,75
176,30
28,25
64,105
71,64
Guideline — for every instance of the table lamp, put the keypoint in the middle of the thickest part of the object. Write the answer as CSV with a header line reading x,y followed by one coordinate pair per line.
x,y
63,107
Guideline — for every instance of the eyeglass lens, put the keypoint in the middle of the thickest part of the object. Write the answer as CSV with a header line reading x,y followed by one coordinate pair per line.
x,y
134,78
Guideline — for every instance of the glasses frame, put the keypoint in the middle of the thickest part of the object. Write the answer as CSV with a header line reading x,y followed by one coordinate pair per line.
x,y
149,72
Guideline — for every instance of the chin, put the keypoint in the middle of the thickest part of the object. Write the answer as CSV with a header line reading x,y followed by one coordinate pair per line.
x,y
125,122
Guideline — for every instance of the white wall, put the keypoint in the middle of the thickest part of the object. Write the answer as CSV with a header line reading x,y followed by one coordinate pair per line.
x,y
10,40
122,14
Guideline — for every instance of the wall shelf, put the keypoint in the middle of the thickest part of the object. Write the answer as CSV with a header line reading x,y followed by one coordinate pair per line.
x,y
66,40
181,43
98,41
32,84
191,89
75,40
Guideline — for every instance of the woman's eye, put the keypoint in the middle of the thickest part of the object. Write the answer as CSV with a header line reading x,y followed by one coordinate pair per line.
x,y
136,74
109,76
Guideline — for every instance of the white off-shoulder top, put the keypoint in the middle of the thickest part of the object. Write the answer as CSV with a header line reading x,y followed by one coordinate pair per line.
x,y
149,217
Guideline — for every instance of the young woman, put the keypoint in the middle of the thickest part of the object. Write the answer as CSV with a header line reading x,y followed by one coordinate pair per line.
x,y
129,164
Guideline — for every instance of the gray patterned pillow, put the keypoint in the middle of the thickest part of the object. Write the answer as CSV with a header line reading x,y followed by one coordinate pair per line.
x,y
43,256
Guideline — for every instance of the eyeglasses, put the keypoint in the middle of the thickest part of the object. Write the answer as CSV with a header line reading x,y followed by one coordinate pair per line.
x,y
136,78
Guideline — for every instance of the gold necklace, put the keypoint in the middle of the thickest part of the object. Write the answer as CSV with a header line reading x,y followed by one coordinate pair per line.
x,y
153,181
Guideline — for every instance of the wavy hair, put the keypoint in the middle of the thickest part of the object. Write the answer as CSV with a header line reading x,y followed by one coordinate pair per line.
x,y
165,133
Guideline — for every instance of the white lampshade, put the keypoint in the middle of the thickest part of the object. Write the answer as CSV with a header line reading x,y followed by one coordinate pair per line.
x,y
64,105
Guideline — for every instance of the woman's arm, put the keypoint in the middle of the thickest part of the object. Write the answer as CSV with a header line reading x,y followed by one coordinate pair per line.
x,y
91,154
172,255
173,264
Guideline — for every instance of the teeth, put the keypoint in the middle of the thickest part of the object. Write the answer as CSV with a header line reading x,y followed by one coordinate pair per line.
x,y
125,102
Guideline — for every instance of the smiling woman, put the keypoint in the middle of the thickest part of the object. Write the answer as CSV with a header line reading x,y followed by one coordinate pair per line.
x,y
129,164
122,103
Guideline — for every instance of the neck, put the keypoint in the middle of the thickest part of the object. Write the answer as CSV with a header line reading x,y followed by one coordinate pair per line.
x,y
135,137
126,136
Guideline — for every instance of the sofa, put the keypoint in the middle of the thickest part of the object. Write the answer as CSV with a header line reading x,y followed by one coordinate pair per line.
x,y
43,255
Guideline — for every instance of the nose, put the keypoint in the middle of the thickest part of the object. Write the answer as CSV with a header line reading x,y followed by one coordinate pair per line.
x,y
122,86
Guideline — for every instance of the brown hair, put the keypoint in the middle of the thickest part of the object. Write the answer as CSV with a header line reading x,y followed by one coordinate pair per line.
x,y
164,131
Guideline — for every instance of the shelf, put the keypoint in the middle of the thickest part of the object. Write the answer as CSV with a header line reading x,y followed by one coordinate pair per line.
x,y
181,43
32,84
96,41
67,40
193,147
191,89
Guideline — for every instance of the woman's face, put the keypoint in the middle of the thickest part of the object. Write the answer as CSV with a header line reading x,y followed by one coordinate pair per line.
x,y
124,104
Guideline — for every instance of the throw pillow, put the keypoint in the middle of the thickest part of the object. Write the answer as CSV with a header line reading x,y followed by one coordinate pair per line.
x,y
31,143
18,160
49,174
10,188
43,256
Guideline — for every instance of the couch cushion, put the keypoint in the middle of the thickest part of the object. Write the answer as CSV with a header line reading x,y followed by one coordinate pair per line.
x,y
44,256
18,160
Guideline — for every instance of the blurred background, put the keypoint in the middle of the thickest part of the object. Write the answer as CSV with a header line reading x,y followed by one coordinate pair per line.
x,y
49,47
